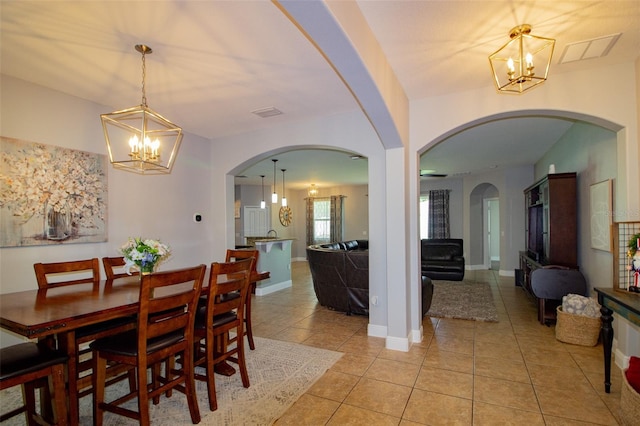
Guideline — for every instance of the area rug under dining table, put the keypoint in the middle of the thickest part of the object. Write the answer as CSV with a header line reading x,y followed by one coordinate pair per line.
x,y
279,373
463,300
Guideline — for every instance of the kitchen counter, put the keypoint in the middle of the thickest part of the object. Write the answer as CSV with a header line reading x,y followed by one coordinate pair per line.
x,y
275,257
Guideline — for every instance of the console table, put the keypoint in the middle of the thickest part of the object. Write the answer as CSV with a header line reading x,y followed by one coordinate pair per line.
x,y
625,304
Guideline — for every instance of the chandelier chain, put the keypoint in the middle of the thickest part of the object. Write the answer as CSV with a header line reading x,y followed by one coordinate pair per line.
x,y
144,74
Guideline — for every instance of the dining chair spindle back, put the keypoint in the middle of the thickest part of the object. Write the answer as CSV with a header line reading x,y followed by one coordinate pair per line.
x,y
113,267
223,313
166,314
240,254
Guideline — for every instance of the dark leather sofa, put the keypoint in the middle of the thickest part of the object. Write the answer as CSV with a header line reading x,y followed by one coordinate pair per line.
x,y
340,273
442,259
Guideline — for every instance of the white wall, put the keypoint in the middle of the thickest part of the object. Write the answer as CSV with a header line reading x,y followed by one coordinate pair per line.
x,y
148,206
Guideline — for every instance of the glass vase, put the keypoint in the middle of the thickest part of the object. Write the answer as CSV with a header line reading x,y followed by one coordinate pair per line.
x,y
147,268
57,222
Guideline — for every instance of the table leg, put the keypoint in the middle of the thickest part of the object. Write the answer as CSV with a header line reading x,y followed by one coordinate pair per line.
x,y
606,332
67,342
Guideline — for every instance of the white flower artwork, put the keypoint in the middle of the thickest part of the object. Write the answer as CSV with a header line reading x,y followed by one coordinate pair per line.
x,y
51,195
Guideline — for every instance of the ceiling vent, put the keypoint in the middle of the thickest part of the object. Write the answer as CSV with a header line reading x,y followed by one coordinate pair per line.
x,y
267,112
589,49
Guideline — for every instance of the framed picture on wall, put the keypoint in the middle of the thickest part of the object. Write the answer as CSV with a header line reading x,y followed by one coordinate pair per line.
x,y
601,206
51,195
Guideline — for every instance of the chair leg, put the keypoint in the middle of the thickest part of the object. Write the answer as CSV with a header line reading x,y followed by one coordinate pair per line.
x,y
242,365
247,319
143,395
29,398
99,377
190,386
211,380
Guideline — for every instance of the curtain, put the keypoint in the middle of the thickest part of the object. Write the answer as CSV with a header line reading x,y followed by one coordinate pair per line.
x,y
335,218
439,213
309,218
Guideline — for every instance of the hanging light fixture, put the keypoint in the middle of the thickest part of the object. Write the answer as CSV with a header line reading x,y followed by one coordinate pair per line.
x,y
313,191
284,198
274,196
262,203
139,139
513,64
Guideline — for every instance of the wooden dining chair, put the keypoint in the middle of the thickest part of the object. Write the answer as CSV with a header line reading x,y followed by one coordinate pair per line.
x,y
235,255
58,274
75,342
113,267
223,313
29,364
165,325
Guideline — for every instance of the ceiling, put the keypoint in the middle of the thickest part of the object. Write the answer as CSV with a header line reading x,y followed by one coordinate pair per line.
x,y
214,62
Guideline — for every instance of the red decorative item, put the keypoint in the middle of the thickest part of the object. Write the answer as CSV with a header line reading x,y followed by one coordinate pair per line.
x,y
633,373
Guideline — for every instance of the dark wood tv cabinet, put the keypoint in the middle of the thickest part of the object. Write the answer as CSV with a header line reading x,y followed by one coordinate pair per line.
x,y
551,233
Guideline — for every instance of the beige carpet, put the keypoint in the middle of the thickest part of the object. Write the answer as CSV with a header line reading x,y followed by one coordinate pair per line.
x,y
463,300
279,373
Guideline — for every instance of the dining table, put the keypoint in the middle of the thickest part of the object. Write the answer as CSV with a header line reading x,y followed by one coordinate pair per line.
x,y
51,315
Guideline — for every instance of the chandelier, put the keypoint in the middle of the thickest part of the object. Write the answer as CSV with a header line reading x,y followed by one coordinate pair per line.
x,y
313,191
139,139
513,64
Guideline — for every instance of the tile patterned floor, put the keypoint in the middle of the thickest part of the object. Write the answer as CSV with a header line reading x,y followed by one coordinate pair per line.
x,y
513,372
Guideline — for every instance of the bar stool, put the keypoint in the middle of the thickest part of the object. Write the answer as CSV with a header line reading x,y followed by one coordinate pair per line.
x,y
27,364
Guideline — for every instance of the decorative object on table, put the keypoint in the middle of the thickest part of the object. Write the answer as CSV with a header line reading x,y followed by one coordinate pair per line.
x,y
139,139
578,320
143,254
51,195
634,266
630,393
623,233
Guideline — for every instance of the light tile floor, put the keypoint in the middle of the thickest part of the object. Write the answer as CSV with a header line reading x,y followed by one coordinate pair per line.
x,y
462,373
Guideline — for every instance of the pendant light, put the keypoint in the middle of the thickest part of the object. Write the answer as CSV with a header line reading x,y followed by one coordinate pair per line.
x,y
284,198
139,139
262,203
274,196
512,65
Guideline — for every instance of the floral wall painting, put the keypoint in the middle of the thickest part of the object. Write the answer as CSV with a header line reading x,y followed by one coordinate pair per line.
x,y
51,195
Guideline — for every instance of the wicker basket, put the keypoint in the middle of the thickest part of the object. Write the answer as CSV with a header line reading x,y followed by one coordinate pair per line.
x,y
629,403
577,329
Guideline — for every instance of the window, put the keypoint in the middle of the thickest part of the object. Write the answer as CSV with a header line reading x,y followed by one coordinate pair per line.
x,y
322,220
424,217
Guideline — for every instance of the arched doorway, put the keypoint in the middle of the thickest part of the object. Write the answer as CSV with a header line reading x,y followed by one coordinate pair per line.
x,y
484,243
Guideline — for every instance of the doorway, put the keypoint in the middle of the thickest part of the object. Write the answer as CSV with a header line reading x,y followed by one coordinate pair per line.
x,y
492,233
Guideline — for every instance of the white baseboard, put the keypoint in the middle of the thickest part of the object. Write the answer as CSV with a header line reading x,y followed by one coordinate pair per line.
x,y
416,335
272,288
376,330
621,360
507,273
397,343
